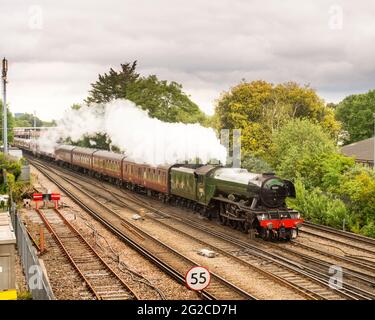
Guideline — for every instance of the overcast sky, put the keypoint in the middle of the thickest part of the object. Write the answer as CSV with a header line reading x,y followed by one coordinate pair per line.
x,y
57,48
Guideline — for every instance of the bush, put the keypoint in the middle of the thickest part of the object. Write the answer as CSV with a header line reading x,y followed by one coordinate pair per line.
x,y
13,171
357,187
369,230
299,149
318,207
256,164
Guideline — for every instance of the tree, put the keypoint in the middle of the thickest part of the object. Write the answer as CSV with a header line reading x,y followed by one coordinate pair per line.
x,y
356,112
164,101
75,106
330,186
318,207
357,187
300,149
260,108
27,120
113,85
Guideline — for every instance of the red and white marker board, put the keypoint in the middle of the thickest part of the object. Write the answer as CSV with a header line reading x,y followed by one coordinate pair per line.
x,y
37,196
47,196
55,196
198,278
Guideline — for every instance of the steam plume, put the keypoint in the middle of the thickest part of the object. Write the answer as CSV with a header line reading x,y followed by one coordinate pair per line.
x,y
142,138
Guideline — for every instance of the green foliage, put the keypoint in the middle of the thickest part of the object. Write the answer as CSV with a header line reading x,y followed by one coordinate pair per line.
x,y
27,120
357,187
330,187
10,122
98,141
356,112
75,106
24,295
12,168
113,85
254,164
259,108
300,149
164,101
369,229
334,165
318,207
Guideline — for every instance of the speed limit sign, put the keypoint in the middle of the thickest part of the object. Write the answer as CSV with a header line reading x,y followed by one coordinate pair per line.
x,y
198,278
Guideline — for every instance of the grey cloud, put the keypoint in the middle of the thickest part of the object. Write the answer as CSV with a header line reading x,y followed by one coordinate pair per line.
x,y
208,46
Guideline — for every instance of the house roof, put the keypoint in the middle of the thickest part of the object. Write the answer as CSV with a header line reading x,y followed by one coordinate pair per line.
x,y
361,150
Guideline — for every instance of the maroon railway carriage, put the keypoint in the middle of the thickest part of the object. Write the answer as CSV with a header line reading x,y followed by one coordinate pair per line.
x,y
82,157
108,164
64,153
130,172
155,178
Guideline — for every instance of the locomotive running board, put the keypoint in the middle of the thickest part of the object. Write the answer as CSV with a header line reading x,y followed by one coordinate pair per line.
x,y
222,199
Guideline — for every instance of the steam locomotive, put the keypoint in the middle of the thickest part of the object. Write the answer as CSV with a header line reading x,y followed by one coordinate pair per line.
x,y
251,202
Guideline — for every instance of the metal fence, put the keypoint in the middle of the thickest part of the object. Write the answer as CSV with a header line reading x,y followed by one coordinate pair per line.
x,y
35,274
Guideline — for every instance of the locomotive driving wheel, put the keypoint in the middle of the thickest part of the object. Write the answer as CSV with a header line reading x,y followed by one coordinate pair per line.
x,y
265,234
222,212
233,223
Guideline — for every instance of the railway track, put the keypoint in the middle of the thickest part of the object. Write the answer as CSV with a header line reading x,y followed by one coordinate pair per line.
x,y
342,238
164,256
312,283
349,235
101,280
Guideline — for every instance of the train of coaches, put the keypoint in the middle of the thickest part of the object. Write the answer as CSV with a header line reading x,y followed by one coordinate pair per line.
x,y
251,202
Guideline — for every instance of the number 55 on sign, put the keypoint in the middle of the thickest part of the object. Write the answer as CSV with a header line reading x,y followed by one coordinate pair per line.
x,y
197,278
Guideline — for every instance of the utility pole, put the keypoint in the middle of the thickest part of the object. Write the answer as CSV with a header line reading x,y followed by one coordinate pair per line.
x,y
5,115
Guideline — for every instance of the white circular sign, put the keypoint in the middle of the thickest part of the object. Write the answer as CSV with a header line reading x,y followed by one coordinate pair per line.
x,y
198,278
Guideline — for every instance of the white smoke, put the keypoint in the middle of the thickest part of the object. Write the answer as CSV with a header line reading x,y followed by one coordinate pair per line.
x,y
143,139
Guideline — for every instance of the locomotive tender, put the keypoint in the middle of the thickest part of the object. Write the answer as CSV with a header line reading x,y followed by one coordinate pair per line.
x,y
250,202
